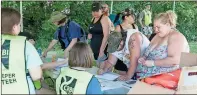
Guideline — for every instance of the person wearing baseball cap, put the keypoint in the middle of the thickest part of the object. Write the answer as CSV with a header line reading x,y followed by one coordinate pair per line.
x,y
99,30
127,45
67,33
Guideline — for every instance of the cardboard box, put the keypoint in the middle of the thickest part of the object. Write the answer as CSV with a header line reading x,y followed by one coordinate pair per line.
x,y
186,85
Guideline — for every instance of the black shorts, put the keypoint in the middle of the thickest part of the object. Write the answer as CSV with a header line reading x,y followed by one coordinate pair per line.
x,y
122,67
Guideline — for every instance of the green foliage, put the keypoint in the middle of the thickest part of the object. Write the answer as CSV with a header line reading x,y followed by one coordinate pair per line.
x,y
193,47
37,13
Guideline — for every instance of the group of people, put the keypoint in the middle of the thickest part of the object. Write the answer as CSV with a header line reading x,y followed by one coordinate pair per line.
x,y
121,46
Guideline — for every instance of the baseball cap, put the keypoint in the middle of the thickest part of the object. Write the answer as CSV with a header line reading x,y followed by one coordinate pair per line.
x,y
96,6
57,16
148,3
128,11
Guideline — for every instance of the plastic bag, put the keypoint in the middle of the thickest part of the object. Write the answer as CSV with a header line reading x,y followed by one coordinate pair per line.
x,y
167,80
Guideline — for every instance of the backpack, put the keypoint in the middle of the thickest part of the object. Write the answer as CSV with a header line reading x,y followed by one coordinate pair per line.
x,y
83,37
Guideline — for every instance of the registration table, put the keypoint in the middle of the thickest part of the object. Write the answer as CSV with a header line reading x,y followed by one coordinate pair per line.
x,y
108,85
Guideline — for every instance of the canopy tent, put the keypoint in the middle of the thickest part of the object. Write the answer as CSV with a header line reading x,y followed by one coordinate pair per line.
x,y
21,12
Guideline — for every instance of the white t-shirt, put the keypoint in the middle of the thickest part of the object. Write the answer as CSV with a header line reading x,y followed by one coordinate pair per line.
x,y
124,54
32,60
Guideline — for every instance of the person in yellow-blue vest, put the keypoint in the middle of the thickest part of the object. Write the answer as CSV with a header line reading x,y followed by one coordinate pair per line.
x,y
20,62
145,19
75,79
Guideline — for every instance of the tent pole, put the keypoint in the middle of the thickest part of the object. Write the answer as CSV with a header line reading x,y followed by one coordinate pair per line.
x,y
111,8
21,12
174,6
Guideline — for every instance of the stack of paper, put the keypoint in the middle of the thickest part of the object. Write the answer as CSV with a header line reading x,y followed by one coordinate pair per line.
x,y
108,76
107,84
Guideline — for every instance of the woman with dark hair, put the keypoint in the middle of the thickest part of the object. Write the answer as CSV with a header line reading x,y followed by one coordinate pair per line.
x,y
130,49
126,24
99,31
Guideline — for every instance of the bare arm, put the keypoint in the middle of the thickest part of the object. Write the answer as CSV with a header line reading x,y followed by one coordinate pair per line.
x,y
175,47
51,45
106,28
35,73
52,65
112,28
134,48
72,43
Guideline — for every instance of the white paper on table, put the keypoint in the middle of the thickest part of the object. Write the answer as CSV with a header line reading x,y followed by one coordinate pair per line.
x,y
108,76
107,85
60,59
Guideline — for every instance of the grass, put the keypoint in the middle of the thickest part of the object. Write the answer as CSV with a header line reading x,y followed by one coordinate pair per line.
x,y
193,47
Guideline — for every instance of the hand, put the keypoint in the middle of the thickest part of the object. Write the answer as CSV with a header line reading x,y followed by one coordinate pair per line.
x,y
141,60
89,36
101,54
149,63
124,77
44,54
100,72
105,67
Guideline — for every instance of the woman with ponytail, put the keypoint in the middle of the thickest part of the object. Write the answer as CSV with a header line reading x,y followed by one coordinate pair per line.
x,y
163,53
132,45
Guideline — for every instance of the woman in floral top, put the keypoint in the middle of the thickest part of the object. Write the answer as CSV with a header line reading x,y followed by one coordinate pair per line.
x,y
163,53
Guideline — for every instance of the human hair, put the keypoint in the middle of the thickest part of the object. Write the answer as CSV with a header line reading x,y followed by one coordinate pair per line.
x,y
126,12
167,17
104,6
81,55
27,35
96,6
9,18
62,21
